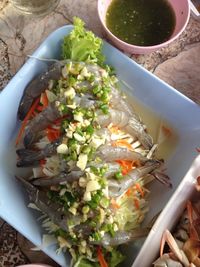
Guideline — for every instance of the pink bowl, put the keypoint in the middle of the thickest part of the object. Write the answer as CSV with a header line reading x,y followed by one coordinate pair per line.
x,y
182,12
34,265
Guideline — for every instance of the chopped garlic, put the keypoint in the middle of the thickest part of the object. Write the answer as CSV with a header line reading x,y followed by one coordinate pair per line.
x,y
78,149
92,186
62,149
72,127
102,215
97,141
69,133
57,103
73,210
115,227
82,182
110,219
70,93
62,191
73,106
87,196
105,191
78,117
86,123
85,73
91,175
82,161
79,138
83,243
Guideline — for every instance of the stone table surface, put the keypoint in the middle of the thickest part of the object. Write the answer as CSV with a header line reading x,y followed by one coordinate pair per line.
x,y
178,64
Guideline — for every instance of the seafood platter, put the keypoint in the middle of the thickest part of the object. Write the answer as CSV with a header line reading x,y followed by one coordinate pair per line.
x,y
95,153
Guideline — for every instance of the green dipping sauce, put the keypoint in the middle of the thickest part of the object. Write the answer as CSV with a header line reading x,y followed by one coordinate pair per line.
x,y
141,22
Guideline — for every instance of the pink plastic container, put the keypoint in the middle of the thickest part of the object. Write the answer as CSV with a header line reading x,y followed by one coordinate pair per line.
x,y
34,265
182,12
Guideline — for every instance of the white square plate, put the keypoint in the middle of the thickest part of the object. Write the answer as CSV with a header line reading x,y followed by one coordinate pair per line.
x,y
155,96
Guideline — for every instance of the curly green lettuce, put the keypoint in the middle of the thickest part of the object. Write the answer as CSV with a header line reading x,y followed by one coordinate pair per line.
x,y
113,258
82,45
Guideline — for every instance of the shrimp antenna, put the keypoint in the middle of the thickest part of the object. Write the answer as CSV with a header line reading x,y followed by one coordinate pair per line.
x,y
44,59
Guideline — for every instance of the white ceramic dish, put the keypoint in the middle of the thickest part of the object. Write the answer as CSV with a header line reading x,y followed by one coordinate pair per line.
x,y
181,113
170,215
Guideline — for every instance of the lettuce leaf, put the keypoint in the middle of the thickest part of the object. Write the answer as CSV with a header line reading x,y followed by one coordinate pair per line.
x,y
116,258
82,45
83,262
113,258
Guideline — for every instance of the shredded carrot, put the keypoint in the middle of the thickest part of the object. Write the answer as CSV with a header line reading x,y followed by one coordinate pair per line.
x,y
42,162
123,142
139,189
114,129
128,192
40,108
115,204
59,120
43,102
136,203
101,258
52,133
34,113
126,166
24,123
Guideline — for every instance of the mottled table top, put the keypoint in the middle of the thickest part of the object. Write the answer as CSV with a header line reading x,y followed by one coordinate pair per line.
x,y
178,64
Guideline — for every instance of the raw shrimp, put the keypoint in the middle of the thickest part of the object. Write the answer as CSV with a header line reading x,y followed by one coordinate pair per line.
x,y
135,128
110,153
29,157
112,168
118,188
85,101
37,86
130,124
41,82
53,210
41,201
39,123
61,178
122,237
74,175
116,117
119,103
